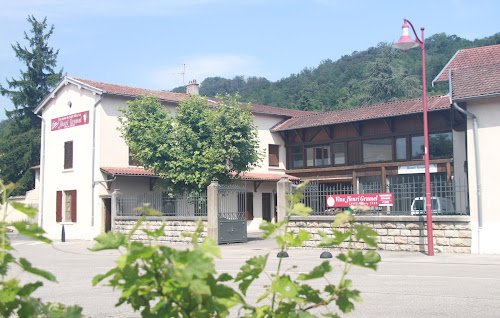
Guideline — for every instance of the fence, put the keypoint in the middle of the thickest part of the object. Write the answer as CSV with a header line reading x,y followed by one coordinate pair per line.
x,y
448,197
167,205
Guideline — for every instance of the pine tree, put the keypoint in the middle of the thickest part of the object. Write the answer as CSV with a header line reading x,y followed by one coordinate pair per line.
x,y
20,145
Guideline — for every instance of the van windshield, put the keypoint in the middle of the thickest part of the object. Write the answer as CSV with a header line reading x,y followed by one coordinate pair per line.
x,y
419,205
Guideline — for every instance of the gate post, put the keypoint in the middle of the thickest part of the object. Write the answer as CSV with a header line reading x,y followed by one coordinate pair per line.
x,y
284,188
212,210
114,208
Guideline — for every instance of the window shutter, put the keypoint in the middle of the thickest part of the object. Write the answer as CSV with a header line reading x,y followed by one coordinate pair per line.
x,y
59,206
274,158
68,155
73,205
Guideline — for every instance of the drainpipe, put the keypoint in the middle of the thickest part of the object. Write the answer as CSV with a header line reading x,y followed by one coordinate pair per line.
x,y
93,154
476,155
42,170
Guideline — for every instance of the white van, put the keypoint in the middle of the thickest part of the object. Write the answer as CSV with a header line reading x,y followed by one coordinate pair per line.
x,y
439,206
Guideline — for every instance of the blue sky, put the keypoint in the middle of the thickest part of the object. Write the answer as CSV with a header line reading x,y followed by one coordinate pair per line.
x,y
145,43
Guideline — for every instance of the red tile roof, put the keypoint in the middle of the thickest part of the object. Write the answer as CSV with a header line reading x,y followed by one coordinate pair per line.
x,y
132,91
398,108
479,81
139,171
177,97
127,171
484,55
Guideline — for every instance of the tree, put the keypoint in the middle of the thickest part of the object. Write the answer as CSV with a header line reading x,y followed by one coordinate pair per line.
x,y
199,144
20,145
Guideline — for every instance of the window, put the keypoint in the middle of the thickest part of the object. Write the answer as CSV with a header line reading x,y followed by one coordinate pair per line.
x,y
318,156
339,154
274,155
68,155
440,146
297,157
131,160
377,150
66,206
401,149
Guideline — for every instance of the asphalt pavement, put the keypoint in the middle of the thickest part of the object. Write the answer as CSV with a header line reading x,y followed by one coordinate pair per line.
x,y
406,284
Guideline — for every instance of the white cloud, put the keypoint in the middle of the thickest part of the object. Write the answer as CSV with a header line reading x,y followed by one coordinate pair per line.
x,y
201,67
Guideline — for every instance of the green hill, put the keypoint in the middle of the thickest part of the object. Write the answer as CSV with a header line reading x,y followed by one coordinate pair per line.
x,y
378,74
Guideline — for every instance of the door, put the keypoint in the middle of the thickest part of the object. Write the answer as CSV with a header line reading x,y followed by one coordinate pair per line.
x,y
266,206
249,206
107,214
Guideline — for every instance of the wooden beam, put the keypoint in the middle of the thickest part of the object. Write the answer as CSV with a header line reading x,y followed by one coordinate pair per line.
x,y
298,135
357,128
256,185
390,124
315,134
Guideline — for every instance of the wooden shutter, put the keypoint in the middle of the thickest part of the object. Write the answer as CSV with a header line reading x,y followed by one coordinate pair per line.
x,y
274,155
68,155
73,205
59,196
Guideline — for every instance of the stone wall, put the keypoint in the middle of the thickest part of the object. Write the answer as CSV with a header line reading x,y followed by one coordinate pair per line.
x,y
174,227
452,234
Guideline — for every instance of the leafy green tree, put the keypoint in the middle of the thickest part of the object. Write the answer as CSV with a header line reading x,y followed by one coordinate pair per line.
x,y
20,145
15,298
199,144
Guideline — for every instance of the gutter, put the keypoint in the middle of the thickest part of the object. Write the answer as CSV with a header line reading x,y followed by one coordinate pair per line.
x,y
478,174
42,171
93,154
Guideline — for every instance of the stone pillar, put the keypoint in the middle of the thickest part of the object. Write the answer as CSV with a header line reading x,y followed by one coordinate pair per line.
x,y
114,208
212,211
284,188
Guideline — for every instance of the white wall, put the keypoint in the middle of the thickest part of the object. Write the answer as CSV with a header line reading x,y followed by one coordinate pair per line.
x,y
264,123
487,239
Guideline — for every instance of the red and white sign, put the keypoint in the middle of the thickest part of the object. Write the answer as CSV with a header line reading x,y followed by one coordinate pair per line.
x,y
369,199
70,121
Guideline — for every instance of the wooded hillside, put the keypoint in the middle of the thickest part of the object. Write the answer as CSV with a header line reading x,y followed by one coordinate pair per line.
x,y
378,74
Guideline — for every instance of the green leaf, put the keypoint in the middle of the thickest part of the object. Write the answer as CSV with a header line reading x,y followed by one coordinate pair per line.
x,y
26,265
108,241
31,230
284,286
251,271
156,233
210,246
366,234
342,218
336,240
300,209
224,277
345,296
292,239
317,272
24,208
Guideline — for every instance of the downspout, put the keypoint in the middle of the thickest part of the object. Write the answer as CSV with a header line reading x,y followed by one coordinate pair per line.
x,y
93,154
476,155
42,170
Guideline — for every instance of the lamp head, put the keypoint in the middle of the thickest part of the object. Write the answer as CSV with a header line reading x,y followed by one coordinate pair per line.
x,y
405,41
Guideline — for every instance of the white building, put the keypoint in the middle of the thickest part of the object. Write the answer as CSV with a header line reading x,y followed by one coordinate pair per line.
x,y
84,159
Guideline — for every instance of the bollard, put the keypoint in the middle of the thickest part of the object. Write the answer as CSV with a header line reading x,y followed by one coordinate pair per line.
x,y
282,254
326,255
63,235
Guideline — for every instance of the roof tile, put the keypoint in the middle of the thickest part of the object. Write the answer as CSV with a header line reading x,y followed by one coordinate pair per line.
x,y
484,55
347,115
475,81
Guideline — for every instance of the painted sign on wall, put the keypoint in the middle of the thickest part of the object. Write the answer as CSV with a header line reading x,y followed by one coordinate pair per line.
x,y
369,199
417,169
70,121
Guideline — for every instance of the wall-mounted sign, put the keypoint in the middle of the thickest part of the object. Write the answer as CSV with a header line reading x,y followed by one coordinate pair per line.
x,y
417,169
70,121
369,199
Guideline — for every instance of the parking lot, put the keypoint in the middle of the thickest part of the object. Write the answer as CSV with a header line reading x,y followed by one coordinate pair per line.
x,y
405,285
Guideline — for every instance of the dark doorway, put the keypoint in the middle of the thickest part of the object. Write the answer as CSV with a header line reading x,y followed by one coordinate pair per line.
x,y
249,206
266,206
107,214
275,208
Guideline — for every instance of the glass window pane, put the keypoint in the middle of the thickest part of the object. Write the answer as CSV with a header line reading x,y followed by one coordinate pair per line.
x,y
297,159
318,160
440,145
400,148
377,150
339,153
417,147
326,155
309,157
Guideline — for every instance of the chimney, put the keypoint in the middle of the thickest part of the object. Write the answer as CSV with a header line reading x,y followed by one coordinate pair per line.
x,y
193,88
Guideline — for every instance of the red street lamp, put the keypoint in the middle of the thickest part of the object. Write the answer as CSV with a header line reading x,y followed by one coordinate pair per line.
x,y
406,43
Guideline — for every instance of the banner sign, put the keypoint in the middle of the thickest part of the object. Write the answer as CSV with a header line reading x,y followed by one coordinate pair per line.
x,y
417,169
369,199
70,121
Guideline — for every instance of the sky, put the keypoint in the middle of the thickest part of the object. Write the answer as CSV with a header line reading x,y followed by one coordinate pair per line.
x,y
162,44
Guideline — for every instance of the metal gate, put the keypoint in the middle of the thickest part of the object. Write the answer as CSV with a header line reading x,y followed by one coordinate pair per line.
x,y
231,215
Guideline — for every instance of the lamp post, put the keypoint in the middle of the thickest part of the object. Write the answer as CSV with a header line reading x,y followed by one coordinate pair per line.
x,y
405,43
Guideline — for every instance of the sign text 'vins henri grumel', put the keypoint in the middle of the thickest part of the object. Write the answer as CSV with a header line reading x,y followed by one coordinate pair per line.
x,y
70,121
